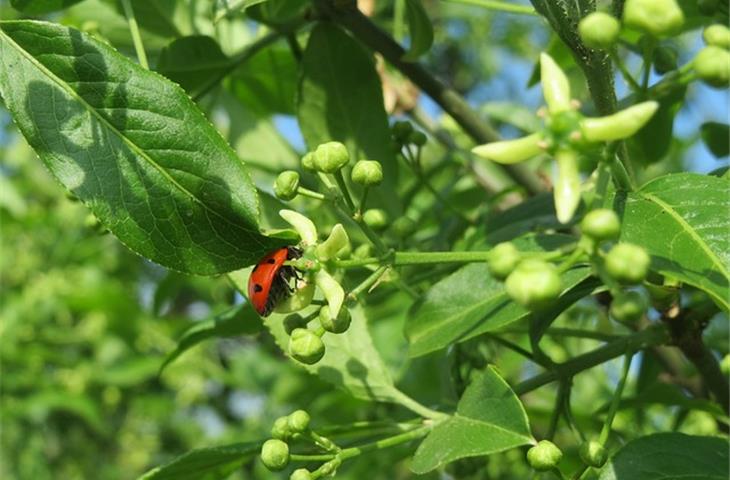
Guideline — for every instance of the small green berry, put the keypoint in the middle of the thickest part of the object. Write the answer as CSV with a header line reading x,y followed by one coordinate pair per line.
x,y
628,307
334,325
534,284
286,185
305,346
298,421
627,263
280,430
599,30
503,259
601,224
330,157
275,455
593,454
401,130
712,66
544,456
717,35
301,474
659,18
368,173
308,162
417,138
664,59
375,218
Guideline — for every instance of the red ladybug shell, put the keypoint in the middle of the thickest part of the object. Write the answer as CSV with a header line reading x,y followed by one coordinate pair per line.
x,y
269,280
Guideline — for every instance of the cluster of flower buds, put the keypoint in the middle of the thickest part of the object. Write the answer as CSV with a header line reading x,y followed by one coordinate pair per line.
x,y
712,63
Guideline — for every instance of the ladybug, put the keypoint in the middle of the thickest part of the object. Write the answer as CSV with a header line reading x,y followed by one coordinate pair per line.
x,y
269,281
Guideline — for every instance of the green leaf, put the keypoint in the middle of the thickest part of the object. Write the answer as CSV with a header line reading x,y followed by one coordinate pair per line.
x,y
717,138
682,221
267,82
340,99
278,13
192,62
470,302
534,214
214,463
667,456
420,29
156,16
239,320
39,7
224,8
133,147
652,142
489,419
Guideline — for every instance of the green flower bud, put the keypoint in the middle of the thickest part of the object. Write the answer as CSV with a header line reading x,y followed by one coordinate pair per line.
x,y
335,243
627,307
664,59
304,226
659,18
401,130
275,455
503,259
417,138
566,192
368,173
338,324
601,224
712,66
510,151
599,30
332,290
403,227
280,430
298,421
301,474
375,218
717,35
308,162
621,124
627,263
533,284
286,185
544,456
306,346
555,85
330,157
294,321
593,454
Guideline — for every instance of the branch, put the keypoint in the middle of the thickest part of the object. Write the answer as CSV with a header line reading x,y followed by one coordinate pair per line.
x,y
368,33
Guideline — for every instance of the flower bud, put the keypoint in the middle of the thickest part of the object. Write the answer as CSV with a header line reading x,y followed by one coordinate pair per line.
x,y
593,454
566,192
338,324
510,151
330,157
503,259
627,307
621,124
375,218
275,455
601,224
301,474
306,346
403,226
534,284
627,263
298,421
712,66
308,161
335,243
368,173
544,456
332,290
401,130
659,18
304,226
555,85
280,430
717,35
599,30
286,185
417,138
664,59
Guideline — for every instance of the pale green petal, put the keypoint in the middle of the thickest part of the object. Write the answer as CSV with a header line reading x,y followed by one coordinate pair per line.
x,y
304,226
620,125
510,151
555,85
567,186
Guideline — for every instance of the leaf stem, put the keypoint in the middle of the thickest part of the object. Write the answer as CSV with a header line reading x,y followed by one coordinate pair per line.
x,y
499,6
386,442
367,283
305,192
340,179
603,438
134,31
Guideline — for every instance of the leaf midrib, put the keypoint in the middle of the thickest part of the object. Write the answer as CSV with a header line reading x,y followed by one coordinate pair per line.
x,y
133,146
689,229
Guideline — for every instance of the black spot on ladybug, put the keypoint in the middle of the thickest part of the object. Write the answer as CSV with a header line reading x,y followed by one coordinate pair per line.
x,y
271,260
257,288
